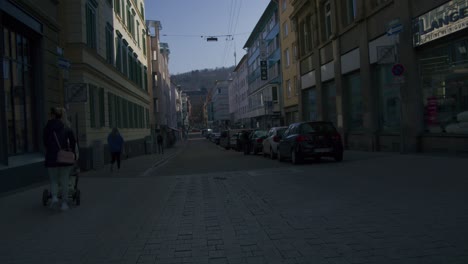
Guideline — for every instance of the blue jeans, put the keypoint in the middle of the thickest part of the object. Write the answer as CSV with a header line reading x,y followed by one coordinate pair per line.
x,y
59,174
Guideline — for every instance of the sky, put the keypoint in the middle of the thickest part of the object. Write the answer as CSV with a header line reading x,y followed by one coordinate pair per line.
x,y
187,23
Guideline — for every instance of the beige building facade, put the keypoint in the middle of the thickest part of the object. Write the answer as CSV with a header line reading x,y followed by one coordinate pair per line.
x,y
289,63
388,73
107,85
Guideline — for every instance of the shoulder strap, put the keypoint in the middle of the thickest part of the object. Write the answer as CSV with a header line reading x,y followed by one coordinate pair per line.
x,y
56,139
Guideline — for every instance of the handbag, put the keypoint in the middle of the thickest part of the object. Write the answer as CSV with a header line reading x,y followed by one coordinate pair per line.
x,y
63,156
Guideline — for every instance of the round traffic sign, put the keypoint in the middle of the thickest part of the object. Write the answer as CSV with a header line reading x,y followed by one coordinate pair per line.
x,y
398,69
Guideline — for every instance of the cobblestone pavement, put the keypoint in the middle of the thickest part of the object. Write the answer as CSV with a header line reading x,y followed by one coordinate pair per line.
x,y
371,208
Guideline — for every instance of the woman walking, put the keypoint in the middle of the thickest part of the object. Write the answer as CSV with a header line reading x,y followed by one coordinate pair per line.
x,y
58,136
115,142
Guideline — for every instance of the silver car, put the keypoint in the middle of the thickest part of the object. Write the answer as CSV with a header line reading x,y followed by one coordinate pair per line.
x,y
270,144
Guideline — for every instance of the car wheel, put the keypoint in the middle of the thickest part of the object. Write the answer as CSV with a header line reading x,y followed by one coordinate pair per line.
x,y
280,159
339,157
272,155
295,157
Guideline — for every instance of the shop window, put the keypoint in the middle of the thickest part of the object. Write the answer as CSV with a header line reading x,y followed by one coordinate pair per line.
x,y
19,94
329,91
445,88
309,105
389,102
352,84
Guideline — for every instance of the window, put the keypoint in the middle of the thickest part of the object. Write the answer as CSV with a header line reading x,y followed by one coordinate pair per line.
x,y
389,103
352,83
305,35
295,54
111,109
138,33
91,33
327,22
377,3
285,29
147,118
19,94
102,112
109,44
142,11
350,9
129,18
296,91
92,105
287,58
329,90
118,55
143,40
288,88
125,58
283,4
117,7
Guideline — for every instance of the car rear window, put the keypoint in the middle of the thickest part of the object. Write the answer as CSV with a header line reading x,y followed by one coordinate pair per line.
x,y
260,133
280,131
317,128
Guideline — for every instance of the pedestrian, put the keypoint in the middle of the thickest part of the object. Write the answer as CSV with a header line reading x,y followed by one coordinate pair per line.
x,y
115,142
160,141
58,136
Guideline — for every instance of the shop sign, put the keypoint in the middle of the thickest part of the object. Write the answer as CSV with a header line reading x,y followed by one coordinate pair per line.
x,y
441,21
263,70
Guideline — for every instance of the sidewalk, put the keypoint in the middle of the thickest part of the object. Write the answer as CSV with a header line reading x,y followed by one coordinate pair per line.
x,y
137,166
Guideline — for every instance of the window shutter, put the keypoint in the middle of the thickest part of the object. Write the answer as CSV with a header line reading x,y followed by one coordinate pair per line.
x,y
102,112
110,109
92,113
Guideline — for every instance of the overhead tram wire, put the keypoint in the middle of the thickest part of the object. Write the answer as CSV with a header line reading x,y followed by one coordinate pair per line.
x,y
232,27
230,22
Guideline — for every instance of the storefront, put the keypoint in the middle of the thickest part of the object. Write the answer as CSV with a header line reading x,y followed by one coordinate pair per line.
x,y
442,50
27,90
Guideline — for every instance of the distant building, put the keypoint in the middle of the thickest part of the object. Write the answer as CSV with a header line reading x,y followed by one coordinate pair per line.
x,y
238,95
220,102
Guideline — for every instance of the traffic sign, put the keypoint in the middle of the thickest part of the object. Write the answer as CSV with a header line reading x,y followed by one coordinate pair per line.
x,y
394,27
398,69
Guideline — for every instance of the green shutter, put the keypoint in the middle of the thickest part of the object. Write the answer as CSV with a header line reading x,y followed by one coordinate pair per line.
x,y
102,110
92,114
110,109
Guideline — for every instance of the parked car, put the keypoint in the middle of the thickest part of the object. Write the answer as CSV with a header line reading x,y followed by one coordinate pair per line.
x,y
270,144
224,139
228,138
214,137
256,141
310,139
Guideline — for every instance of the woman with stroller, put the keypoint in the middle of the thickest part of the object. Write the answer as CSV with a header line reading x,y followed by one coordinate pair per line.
x,y
58,135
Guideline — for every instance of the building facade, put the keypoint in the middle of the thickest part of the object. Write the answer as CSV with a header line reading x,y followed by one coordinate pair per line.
x,y
238,95
107,87
220,102
32,83
390,73
264,70
289,65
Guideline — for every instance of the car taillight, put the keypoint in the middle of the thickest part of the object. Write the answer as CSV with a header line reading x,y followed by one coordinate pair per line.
x,y
276,139
259,140
336,137
301,138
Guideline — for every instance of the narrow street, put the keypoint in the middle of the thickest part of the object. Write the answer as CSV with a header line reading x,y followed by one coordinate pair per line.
x,y
211,205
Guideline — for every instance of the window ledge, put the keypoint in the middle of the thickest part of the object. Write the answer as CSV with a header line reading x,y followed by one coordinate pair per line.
x,y
21,160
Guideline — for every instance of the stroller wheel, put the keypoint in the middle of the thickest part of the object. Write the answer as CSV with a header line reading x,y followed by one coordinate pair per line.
x,y
77,197
45,197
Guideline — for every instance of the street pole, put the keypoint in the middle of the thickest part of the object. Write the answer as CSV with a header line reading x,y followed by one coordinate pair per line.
x,y
400,89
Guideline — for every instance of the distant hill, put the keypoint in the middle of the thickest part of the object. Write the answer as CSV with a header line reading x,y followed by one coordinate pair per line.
x,y
198,80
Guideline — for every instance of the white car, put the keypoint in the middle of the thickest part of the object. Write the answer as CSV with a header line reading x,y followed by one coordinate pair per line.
x,y
270,144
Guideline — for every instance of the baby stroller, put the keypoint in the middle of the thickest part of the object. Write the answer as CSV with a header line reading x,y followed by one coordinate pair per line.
x,y
74,193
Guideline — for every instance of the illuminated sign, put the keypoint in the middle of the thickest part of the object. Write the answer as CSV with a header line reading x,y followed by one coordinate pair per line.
x,y
441,21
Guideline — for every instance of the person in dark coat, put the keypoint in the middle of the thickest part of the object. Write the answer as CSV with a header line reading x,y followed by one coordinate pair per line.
x,y
115,142
58,129
160,142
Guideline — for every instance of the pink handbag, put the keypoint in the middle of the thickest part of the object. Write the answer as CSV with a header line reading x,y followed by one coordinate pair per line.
x,y
63,156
